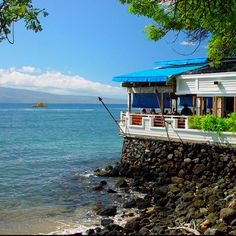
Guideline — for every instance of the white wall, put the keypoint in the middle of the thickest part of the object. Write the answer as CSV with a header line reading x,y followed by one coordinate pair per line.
x,y
203,84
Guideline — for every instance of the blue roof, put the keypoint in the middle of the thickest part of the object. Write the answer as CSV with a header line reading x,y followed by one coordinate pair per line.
x,y
156,74
181,62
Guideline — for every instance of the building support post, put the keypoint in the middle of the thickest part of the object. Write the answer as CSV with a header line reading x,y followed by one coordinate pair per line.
x,y
215,106
194,104
129,102
235,104
162,103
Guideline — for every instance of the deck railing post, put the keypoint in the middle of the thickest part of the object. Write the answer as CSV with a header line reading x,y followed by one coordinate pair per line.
x,y
186,122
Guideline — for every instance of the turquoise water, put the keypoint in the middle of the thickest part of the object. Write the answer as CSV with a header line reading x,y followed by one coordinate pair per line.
x,y
47,157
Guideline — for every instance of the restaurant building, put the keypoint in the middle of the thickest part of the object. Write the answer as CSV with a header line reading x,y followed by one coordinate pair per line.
x,y
171,85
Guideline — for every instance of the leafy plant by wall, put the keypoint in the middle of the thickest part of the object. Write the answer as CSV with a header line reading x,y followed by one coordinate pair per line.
x,y
212,123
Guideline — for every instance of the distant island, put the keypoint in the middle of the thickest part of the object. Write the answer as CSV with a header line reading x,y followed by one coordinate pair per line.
x,y
39,105
10,95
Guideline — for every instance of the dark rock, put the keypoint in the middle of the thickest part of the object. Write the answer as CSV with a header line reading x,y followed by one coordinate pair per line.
x,y
103,182
102,173
108,211
133,225
227,214
105,222
210,231
143,231
90,232
115,227
98,187
111,191
177,180
122,183
199,168
142,203
130,204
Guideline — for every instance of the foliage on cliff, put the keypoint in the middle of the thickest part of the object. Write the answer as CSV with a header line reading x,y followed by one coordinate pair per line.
x,y
199,19
212,123
12,11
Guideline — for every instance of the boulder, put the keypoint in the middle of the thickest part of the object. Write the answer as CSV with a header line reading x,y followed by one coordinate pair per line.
x,y
177,180
122,183
143,231
199,168
133,225
105,222
130,204
111,191
227,214
98,187
108,211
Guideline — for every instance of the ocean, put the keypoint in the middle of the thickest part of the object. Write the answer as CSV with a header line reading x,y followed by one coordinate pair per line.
x,y
47,159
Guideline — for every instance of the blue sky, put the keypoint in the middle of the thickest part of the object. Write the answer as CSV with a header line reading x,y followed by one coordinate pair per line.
x,y
84,43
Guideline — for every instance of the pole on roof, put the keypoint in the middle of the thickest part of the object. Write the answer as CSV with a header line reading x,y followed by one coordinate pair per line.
x,y
113,118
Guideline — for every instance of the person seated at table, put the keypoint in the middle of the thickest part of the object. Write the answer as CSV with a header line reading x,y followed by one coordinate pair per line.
x,y
144,111
186,111
166,112
174,112
152,111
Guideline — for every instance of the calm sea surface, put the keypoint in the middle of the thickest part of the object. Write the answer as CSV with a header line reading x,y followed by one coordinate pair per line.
x,y
47,158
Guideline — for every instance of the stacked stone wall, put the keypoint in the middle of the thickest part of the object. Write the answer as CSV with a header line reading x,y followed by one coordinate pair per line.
x,y
160,161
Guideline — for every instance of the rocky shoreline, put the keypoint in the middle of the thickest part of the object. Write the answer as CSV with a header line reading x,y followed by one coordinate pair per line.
x,y
187,189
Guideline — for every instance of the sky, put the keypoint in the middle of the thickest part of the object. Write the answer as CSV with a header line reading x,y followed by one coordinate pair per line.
x,y
84,43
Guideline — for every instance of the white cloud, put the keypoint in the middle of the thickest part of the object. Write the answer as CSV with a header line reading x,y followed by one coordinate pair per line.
x,y
29,69
187,43
56,82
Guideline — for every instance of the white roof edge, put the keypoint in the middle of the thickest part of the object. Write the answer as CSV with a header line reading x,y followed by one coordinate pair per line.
x,y
207,75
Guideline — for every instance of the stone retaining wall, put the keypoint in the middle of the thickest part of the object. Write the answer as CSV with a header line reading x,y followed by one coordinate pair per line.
x,y
163,161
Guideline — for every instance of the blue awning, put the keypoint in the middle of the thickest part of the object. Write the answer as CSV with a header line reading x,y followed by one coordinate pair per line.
x,y
149,100
156,74
182,62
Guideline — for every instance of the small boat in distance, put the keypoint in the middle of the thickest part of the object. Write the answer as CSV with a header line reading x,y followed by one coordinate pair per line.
x,y
39,105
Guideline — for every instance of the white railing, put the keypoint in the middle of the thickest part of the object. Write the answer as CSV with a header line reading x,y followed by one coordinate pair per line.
x,y
173,127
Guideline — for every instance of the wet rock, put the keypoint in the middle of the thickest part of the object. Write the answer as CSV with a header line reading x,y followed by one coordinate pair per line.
x,y
103,182
98,187
111,191
115,227
102,173
122,183
142,203
227,214
130,204
90,232
133,225
105,222
108,211
143,231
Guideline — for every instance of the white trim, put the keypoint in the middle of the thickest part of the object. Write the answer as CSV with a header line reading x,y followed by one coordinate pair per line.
x,y
207,75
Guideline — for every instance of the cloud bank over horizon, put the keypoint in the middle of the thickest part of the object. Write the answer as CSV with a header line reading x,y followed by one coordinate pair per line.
x,y
32,78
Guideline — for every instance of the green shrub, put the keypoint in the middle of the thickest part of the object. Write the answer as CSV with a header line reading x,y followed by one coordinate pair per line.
x,y
212,123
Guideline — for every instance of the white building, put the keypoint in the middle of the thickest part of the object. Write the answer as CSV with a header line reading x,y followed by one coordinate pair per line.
x,y
186,82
